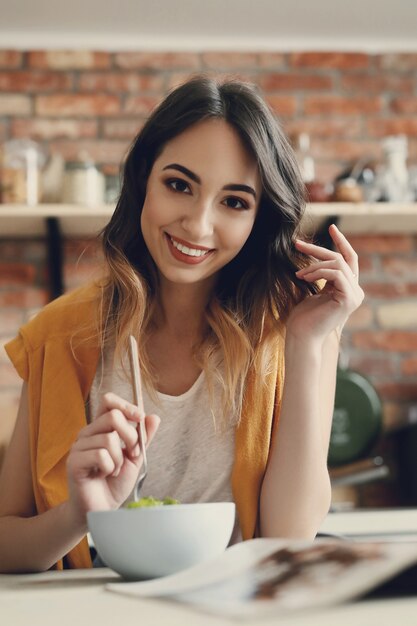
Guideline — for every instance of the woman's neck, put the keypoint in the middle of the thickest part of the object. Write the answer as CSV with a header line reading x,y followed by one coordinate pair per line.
x,y
181,308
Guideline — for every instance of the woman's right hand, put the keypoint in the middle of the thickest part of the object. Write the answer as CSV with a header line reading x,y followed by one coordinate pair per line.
x,y
101,473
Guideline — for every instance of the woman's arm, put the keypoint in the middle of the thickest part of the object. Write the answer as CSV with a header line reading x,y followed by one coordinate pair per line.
x,y
100,476
296,493
29,542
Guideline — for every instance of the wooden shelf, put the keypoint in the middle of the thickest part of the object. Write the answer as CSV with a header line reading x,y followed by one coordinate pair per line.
x,y
78,221
372,218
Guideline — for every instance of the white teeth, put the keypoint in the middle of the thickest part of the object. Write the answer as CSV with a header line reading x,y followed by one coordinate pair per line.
x,y
188,251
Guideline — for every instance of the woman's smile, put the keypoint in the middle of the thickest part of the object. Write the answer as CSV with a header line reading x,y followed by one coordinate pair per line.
x,y
187,252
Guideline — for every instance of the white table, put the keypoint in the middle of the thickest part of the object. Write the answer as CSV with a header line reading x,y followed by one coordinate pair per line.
x,y
78,598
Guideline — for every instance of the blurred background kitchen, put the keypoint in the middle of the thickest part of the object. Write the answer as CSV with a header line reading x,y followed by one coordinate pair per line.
x,y
77,82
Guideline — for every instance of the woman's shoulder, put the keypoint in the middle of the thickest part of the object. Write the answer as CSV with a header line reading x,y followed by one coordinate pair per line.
x,y
72,312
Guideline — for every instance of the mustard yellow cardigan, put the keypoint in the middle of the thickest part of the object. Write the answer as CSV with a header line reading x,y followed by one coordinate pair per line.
x,y
57,354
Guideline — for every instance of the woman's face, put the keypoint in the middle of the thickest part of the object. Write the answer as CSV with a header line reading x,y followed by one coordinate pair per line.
x,y
201,202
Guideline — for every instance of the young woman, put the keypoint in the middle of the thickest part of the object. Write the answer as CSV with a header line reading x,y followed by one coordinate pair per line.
x,y
205,266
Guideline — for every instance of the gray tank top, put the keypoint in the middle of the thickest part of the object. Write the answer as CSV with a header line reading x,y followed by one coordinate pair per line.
x,y
189,459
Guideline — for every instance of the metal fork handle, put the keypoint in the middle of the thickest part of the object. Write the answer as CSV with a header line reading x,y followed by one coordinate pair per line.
x,y
138,401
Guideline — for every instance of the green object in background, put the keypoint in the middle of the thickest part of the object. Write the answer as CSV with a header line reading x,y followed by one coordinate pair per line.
x,y
357,418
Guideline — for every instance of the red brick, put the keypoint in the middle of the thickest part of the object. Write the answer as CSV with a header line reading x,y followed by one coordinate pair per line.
x,y
339,105
50,129
381,244
398,62
361,318
101,150
390,341
16,274
25,298
326,171
21,250
397,391
366,83
69,59
409,367
229,60
366,263
346,150
292,82
11,104
77,105
331,128
272,60
175,79
283,106
373,366
34,81
329,60
81,250
391,290
404,105
381,127
4,129
140,105
157,60
11,58
131,82
121,129
397,266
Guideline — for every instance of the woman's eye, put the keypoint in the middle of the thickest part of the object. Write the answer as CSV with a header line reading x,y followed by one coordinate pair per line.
x,y
176,184
235,203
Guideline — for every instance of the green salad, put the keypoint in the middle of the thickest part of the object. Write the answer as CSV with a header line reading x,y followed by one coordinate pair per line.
x,y
150,501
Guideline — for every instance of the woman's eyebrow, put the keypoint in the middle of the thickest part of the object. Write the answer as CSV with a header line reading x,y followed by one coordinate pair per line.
x,y
197,179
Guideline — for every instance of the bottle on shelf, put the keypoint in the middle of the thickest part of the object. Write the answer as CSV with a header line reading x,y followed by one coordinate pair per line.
x,y
316,190
393,183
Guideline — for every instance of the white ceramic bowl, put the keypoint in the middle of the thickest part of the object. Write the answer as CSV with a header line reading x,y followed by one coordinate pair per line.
x,y
157,541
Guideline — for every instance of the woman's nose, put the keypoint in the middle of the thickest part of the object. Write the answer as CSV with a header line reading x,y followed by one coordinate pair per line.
x,y
198,221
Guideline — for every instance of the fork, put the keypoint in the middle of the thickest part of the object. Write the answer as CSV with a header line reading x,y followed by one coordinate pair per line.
x,y
138,401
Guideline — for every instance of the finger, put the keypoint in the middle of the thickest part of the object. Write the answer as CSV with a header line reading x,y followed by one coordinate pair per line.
x,y
345,248
152,423
91,463
333,264
151,426
111,401
115,421
323,254
105,441
335,277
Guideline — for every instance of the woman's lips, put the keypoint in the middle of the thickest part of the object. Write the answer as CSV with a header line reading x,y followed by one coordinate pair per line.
x,y
187,258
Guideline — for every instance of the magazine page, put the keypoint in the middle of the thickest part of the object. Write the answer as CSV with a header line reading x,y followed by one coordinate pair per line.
x,y
265,577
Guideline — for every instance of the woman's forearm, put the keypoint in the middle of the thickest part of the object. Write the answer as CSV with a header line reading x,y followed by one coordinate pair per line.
x,y
36,543
296,492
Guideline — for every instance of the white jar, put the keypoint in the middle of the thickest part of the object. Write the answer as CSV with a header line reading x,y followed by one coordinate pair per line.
x,y
83,183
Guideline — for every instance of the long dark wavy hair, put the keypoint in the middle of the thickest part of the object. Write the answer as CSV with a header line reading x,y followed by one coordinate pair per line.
x,y
256,291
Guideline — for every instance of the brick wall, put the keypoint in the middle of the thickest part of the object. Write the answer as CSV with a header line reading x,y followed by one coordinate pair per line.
x,y
346,102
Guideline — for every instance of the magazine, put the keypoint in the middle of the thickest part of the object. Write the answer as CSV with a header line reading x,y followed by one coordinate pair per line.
x,y
264,577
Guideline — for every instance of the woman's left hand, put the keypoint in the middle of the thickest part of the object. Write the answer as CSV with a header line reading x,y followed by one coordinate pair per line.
x,y
318,315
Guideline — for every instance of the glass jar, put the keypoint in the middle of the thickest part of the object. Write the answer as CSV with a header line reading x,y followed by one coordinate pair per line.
x,y
83,183
22,161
